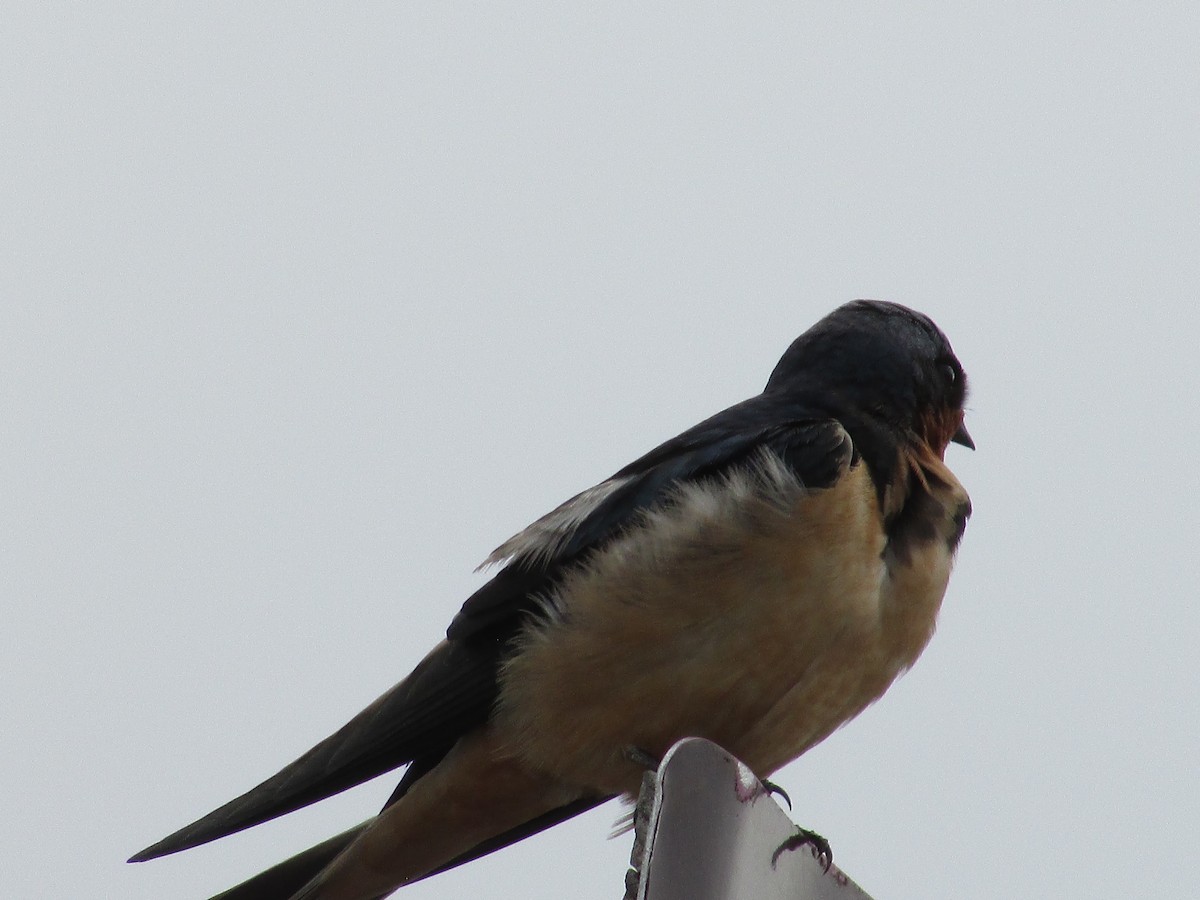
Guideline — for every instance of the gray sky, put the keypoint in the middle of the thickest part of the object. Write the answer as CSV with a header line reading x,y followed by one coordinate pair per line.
x,y
303,309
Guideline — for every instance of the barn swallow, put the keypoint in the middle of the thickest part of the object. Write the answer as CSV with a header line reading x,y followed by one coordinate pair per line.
x,y
758,581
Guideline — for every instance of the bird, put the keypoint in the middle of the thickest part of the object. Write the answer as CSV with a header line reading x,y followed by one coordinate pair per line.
x,y
757,580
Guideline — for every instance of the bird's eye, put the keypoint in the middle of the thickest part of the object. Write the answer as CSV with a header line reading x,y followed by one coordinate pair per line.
x,y
949,373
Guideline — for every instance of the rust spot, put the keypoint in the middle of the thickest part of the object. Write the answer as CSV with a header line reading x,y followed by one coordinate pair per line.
x,y
938,426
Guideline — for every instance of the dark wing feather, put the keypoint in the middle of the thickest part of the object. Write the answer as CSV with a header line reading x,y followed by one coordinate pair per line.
x,y
450,692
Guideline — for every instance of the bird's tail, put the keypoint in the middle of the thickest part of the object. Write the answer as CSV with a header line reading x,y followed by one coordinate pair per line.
x,y
284,880
474,801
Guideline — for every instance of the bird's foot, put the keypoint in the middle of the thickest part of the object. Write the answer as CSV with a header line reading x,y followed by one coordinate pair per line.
x,y
820,847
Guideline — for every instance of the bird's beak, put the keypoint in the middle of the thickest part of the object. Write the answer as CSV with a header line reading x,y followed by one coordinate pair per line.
x,y
962,436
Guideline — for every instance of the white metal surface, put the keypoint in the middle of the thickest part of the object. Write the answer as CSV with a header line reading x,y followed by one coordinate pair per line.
x,y
707,830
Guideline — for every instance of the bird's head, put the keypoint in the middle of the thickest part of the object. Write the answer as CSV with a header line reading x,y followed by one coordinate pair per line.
x,y
887,363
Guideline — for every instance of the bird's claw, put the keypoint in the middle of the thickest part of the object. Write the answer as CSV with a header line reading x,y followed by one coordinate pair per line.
x,y
820,847
772,788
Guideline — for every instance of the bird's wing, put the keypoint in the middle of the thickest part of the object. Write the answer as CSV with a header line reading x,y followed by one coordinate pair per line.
x,y
815,449
452,690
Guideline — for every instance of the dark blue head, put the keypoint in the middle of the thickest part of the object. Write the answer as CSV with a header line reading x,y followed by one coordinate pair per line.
x,y
887,363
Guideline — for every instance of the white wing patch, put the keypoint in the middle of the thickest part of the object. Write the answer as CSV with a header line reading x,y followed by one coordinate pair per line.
x,y
539,542
767,476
